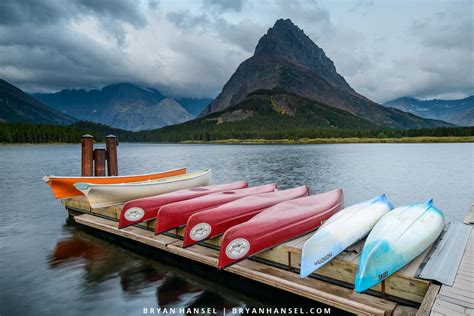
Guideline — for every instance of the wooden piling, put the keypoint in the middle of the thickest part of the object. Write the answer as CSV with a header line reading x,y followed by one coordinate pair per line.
x,y
87,143
99,162
111,144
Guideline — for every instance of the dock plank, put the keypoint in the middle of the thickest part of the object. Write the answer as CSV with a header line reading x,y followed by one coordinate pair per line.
x,y
454,300
429,300
402,310
459,294
464,285
146,237
459,298
469,218
446,308
198,253
324,292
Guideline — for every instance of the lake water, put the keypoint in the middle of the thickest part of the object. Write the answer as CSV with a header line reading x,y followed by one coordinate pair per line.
x,y
47,266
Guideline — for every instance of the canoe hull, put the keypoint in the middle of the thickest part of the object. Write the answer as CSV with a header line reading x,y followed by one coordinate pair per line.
x,y
341,231
144,209
211,223
177,214
63,187
113,194
278,224
398,238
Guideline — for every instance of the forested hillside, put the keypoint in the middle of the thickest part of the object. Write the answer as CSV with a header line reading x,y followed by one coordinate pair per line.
x,y
38,133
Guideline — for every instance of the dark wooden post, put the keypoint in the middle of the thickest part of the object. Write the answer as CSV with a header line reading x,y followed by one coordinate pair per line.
x,y
99,162
87,144
111,144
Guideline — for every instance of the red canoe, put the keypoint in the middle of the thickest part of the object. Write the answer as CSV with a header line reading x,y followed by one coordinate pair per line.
x,y
278,224
210,223
177,214
140,210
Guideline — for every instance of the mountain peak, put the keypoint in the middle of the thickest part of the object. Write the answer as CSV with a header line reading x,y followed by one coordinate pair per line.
x,y
285,26
286,40
282,36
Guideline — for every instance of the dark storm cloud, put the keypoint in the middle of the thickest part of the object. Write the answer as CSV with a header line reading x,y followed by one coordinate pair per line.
x,y
41,50
51,11
29,11
50,59
127,11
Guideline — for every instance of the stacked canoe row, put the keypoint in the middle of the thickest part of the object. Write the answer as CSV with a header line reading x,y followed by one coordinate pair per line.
x,y
254,219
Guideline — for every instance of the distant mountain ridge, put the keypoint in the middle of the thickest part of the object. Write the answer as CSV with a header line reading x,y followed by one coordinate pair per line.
x,y
286,58
459,112
124,105
17,106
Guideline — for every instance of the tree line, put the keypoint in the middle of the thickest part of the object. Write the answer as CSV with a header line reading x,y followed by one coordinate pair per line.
x,y
38,133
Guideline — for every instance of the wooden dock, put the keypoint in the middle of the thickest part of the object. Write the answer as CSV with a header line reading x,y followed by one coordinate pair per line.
x,y
401,293
459,298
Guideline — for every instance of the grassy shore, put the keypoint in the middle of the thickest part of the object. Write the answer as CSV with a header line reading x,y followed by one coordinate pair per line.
x,y
261,141
352,140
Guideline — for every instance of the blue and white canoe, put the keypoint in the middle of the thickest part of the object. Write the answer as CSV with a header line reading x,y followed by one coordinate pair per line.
x,y
397,239
340,231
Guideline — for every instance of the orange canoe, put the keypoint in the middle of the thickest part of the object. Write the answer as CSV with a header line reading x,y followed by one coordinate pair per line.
x,y
63,187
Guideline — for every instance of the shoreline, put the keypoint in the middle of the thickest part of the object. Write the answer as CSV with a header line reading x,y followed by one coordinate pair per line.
x,y
350,140
300,141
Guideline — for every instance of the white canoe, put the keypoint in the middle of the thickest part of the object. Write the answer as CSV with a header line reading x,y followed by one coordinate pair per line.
x,y
102,195
340,231
397,239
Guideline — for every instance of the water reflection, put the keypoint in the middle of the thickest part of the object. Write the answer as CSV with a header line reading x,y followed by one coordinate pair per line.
x,y
75,248
135,279
102,262
220,303
176,292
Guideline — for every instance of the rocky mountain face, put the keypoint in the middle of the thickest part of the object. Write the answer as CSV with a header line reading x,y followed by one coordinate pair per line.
x,y
459,112
126,106
17,106
286,58
278,109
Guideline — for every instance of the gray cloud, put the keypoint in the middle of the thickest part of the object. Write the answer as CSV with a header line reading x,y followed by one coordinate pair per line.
x,y
41,49
244,34
51,11
184,19
192,51
442,66
49,59
224,5
125,10
361,6
453,29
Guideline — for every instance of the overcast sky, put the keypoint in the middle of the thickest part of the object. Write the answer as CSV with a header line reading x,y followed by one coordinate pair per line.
x,y
384,49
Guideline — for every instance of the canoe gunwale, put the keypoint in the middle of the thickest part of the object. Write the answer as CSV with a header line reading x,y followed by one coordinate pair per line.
x,y
185,177
49,178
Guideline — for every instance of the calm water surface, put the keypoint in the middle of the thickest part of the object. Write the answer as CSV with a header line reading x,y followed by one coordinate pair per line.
x,y
47,266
